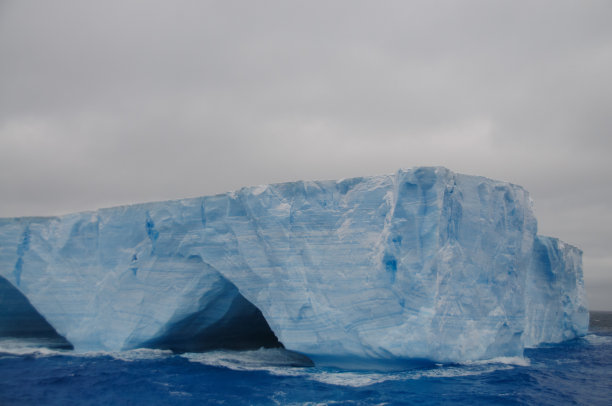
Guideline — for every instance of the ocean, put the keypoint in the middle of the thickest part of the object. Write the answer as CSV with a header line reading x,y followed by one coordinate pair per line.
x,y
577,372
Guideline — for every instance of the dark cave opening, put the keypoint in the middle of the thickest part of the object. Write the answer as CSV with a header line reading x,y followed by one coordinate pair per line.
x,y
19,319
242,327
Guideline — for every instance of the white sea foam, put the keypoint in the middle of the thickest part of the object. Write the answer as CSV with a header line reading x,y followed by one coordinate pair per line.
x,y
19,346
358,379
596,339
263,359
268,360
453,372
140,354
180,394
36,348
280,362
519,361
354,379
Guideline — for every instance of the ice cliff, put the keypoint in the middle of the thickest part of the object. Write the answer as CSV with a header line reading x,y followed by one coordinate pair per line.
x,y
423,263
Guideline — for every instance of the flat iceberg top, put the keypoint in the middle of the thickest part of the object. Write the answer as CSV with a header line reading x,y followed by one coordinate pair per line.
x,y
423,263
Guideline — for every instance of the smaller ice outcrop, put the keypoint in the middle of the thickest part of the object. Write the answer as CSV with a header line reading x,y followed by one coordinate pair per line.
x,y
555,300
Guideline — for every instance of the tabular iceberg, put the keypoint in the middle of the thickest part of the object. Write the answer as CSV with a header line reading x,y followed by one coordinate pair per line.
x,y
423,263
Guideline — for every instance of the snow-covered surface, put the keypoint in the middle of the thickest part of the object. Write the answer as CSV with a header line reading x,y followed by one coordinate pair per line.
x,y
423,263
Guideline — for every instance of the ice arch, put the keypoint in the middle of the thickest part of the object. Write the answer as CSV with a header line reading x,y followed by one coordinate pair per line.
x,y
225,321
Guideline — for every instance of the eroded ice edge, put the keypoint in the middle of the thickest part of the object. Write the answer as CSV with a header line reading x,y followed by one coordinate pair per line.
x,y
421,264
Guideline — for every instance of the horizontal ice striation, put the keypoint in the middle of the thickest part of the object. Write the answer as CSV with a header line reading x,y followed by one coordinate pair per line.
x,y
423,263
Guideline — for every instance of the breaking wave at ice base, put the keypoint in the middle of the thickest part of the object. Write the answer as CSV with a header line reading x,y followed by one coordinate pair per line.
x,y
274,361
574,372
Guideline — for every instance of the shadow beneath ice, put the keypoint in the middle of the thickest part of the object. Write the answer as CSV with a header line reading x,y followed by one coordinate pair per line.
x,y
19,320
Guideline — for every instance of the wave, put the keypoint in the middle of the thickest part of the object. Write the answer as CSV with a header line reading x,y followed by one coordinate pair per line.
x,y
262,358
138,354
360,379
274,362
278,362
596,339
34,347
39,348
518,361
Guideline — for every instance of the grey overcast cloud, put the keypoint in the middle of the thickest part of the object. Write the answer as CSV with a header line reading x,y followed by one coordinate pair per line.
x,y
105,103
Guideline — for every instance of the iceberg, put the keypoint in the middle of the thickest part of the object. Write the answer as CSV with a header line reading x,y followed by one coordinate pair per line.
x,y
422,263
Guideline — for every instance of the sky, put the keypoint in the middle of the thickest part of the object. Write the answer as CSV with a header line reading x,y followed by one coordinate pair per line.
x,y
112,102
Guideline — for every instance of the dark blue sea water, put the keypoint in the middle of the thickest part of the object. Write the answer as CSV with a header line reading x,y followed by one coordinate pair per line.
x,y
576,372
